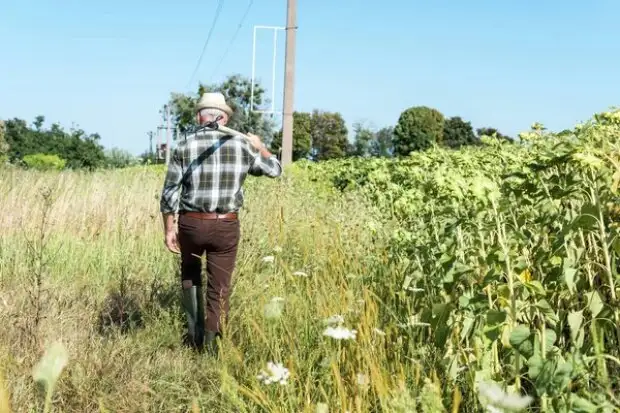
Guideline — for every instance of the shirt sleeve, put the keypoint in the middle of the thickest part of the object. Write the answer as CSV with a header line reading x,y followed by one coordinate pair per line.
x,y
169,202
264,166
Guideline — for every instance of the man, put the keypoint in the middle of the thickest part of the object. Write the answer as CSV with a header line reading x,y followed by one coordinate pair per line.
x,y
209,168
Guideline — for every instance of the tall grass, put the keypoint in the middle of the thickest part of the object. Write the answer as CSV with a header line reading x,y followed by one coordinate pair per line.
x,y
82,261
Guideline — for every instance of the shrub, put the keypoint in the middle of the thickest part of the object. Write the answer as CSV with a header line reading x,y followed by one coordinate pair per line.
x,y
44,162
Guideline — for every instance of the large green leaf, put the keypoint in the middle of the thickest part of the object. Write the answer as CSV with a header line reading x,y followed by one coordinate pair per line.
x,y
581,405
575,322
521,339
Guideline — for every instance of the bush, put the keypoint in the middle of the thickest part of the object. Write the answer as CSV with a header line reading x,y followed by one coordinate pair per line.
x,y
119,158
44,162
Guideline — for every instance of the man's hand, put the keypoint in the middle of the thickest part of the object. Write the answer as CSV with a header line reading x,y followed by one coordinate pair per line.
x,y
255,141
258,144
172,243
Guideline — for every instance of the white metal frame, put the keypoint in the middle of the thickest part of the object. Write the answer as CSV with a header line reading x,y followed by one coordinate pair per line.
x,y
273,69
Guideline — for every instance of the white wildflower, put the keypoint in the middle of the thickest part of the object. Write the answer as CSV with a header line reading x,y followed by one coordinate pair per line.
x,y
273,309
335,319
276,373
300,274
340,333
362,379
269,258
277,249
322,408
379,332
499,400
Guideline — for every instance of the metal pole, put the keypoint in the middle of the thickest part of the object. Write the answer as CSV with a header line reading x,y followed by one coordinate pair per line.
x,y
158,146
273,72
253,69
168,133
289,83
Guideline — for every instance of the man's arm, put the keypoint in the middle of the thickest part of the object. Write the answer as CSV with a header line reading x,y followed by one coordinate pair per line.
x,y
169,202
265,163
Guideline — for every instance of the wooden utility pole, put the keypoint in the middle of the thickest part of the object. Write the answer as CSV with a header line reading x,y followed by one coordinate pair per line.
x,y
289,83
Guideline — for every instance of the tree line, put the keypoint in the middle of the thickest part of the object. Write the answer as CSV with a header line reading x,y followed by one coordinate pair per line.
x,y
321,135
56,148
317,135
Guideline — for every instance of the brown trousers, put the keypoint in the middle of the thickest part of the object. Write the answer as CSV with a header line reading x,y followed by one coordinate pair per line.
x,y
218,238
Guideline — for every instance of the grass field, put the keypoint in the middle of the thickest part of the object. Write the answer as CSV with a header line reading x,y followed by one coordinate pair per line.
x,y
456,269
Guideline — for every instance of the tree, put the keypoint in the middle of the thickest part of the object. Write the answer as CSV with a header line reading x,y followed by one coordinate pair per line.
x,y
119,158
329,135
238,93
4,146
362,141
302,138
418,129
382,145
78,149
457,132
493,132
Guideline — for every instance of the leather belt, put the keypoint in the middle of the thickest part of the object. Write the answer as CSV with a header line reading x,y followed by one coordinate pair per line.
x,y
209,215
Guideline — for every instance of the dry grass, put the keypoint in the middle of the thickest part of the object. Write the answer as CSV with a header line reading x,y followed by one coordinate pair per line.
x,y
79,251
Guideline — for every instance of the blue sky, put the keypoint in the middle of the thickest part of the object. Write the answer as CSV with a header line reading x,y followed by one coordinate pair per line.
x,y
108,67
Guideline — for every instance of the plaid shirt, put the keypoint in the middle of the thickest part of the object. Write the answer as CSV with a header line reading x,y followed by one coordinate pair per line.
x,y
211,168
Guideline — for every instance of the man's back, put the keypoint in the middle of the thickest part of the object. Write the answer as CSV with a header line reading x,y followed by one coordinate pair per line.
x,y
210,168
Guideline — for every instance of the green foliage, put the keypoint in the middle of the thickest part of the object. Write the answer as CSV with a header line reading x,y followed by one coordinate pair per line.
x,y
363,139
4,146
318,135
418,129
78,149
329,135
507,258
238,93
457,132
492,132
382,145
44,162
119,158
302,138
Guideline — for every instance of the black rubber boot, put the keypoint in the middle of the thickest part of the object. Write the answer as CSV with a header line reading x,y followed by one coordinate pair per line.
x,y
193,305
211,343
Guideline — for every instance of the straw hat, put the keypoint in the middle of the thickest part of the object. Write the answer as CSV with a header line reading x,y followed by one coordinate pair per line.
x,y
213,100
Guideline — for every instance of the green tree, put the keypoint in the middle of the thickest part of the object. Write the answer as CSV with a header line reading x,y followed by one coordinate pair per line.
x,y
329,135
493,132
418,128
78,149
302,138
363,139
238,93
457,132
119,158
4,146
382,145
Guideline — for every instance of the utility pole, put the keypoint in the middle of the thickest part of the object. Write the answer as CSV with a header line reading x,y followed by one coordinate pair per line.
x,y
150,133
168,132
289,83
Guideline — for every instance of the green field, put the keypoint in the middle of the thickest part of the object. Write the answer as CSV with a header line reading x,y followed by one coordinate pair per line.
x,y
457,269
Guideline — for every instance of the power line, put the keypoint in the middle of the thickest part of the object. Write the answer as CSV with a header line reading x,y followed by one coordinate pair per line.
x,y
204,48
247,11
